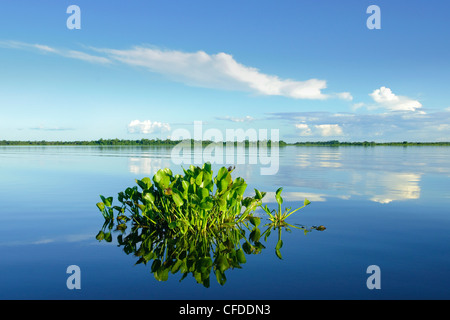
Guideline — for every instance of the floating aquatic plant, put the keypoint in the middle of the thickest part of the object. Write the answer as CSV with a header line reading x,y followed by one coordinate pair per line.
x,y
194,223
190,202
279,217
200,254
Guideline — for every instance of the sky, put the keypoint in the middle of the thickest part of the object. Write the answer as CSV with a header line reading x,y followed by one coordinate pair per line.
x,y
313,70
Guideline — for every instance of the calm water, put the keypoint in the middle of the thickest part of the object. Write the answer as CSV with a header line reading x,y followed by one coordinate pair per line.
x,y
384,206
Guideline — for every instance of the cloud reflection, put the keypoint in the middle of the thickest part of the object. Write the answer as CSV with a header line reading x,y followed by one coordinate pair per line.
x,y
343,174
147,166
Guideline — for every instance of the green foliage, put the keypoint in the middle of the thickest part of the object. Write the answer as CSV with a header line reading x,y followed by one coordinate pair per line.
x,y
170,143
189,202
199,254
278,217
193,223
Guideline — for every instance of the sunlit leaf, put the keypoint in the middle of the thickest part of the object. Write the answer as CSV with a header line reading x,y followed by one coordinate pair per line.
x,y
278,196
101,206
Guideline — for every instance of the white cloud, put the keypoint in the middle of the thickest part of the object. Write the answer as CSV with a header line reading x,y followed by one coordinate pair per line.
x,y
327,130
380,127
62,52
323,130
237,119
387,99
199,68
305,130
147,126
358,105
84,56
345,96
219,70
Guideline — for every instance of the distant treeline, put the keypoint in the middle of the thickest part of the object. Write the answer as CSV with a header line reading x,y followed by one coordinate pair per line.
x,y
168,142
337,143
120,142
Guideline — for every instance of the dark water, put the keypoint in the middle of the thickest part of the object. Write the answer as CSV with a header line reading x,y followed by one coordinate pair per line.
x,y
383,206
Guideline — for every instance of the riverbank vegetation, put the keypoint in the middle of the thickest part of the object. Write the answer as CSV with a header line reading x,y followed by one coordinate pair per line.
x,y
170,143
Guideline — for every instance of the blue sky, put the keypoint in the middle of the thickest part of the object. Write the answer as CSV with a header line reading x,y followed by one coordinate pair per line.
x,y
142,69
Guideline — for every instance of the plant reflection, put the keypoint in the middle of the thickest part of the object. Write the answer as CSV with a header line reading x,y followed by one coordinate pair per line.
x,y
200,254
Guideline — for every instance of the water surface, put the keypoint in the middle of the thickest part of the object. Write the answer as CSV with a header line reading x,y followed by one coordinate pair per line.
x,y
384,206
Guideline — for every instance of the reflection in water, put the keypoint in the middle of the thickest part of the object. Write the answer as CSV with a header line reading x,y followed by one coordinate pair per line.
x,y
394,186
147,166
321,173
199,253
297,196
323,159
341,174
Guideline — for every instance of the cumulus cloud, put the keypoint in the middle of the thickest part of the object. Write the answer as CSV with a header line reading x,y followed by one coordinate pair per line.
x,y
387,99
345,96
304,129
328,130
323,130
386,126
146,126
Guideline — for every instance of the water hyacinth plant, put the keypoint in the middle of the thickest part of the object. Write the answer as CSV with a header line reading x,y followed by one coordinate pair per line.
x,y
279,217
190,202
199,254
194,223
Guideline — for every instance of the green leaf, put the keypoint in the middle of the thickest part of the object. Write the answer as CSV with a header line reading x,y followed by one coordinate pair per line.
x,y
168,172
176,266
149,197
101,206
222,263
172,225
203,193
221,278
204,264
156,265
255,221
223,172
162,274
100,236
145,183
199,178
206,204
248,248
278,247
279,244
149,256
255,234
108,237
207,167
177,199
240,255
161,179
278,196
185,185
223,185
